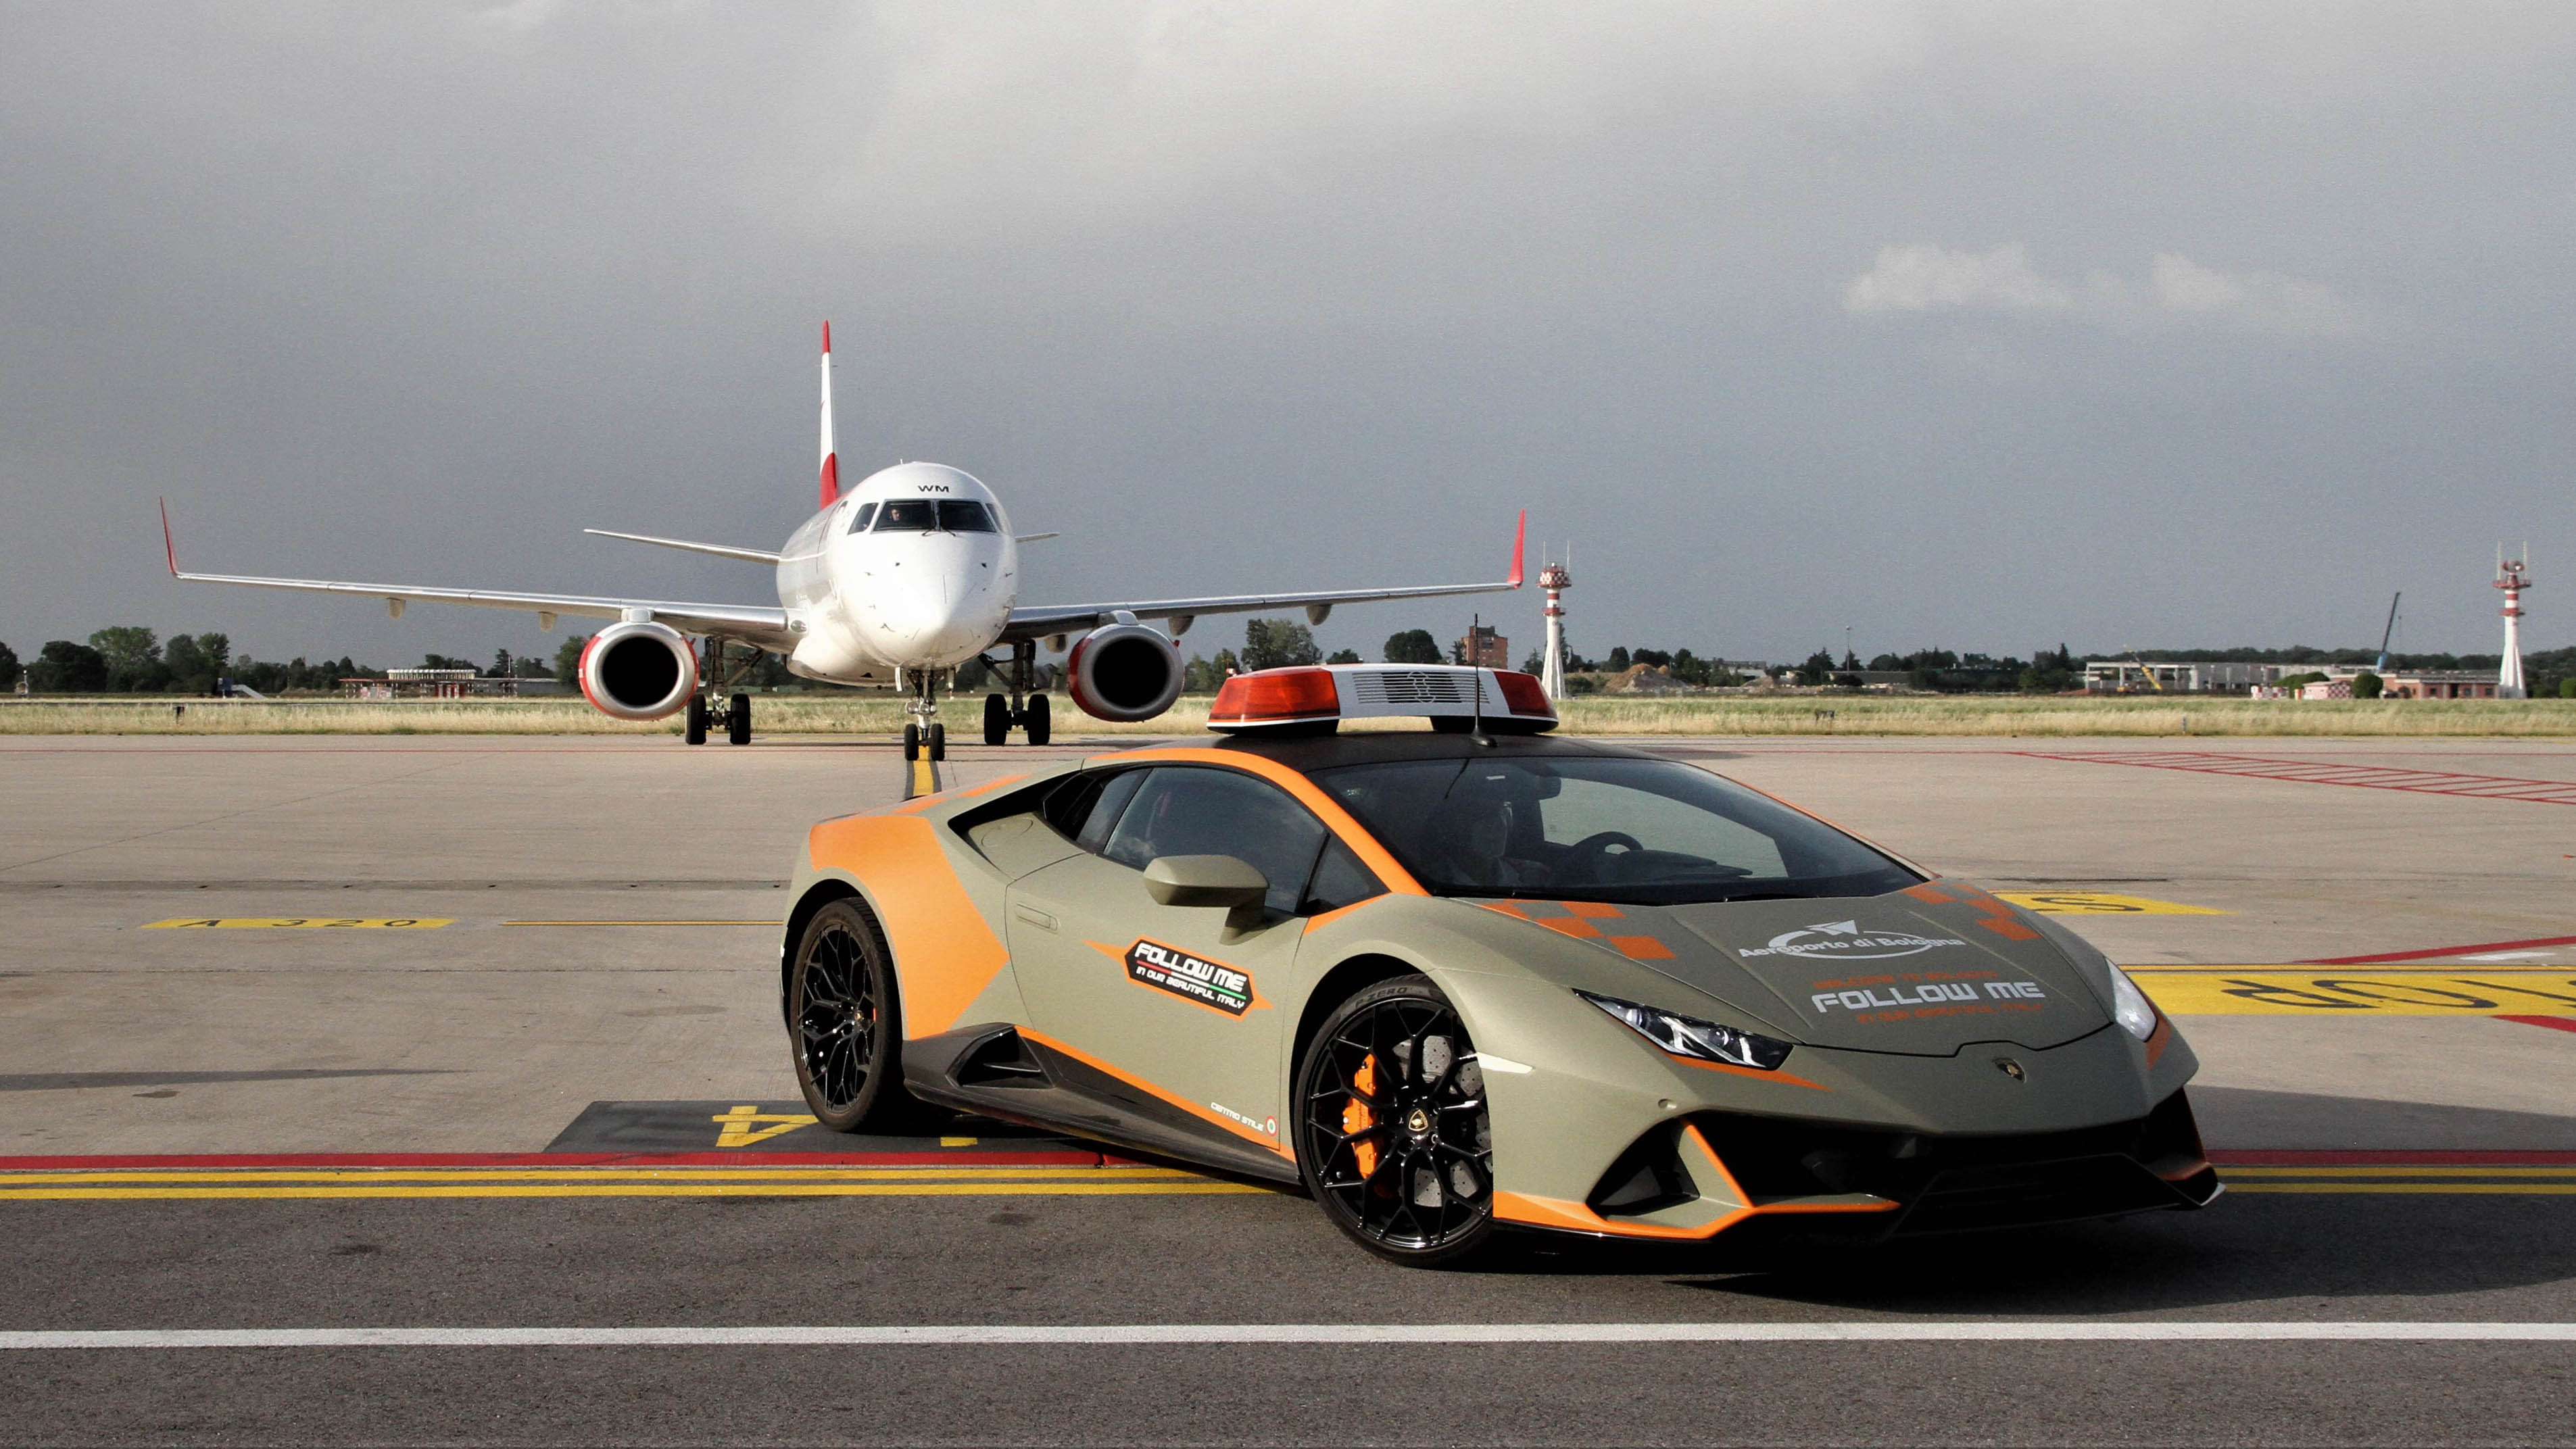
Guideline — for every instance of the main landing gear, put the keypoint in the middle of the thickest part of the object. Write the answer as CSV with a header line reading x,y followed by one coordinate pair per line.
x,y
1027,711
736,714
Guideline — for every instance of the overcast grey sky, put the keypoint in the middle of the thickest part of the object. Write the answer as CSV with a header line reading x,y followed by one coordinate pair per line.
x,y
1983,326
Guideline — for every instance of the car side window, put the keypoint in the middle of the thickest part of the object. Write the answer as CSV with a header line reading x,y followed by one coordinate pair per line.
x,y
1340,880
1083,807
1187,810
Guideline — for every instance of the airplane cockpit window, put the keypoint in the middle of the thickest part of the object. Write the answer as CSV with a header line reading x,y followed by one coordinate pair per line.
x,y
908,515
961,516
859,524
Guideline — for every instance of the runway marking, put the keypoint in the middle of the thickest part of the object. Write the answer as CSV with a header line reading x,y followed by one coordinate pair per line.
x,y
2277,992
771,924
2404,1178
737,1128
2435,953
1115,1334
2308,772
2101,903
1033,1180
302,923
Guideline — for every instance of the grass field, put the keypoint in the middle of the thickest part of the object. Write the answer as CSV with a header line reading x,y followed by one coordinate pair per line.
x,y
2048,715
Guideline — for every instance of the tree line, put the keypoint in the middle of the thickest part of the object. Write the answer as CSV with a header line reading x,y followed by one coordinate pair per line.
x,y
129,659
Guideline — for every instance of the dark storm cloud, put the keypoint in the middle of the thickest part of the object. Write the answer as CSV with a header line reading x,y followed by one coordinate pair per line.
x,y
1986,326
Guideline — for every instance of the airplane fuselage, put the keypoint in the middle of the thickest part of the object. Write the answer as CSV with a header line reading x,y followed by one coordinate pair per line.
x,y
912,568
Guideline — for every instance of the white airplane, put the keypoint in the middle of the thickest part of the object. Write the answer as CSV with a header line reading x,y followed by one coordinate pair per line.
x,y
898,580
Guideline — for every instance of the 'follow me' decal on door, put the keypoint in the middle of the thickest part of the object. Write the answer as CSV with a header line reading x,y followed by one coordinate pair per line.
x,y
1193,978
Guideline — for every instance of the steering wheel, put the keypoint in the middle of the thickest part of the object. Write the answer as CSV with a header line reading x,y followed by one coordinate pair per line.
x,y
1584,858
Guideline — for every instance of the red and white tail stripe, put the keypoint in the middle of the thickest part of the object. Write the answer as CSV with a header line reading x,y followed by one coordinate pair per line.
x,y
831,486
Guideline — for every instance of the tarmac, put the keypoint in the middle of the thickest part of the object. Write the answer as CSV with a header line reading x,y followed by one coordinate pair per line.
x,y
483,1055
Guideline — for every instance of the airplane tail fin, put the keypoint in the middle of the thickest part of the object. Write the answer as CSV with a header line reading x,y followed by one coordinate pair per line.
x,y
1520,537
831,475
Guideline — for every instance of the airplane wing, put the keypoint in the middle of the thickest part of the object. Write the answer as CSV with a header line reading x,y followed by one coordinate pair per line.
x,y
720,550
765,627
1043,620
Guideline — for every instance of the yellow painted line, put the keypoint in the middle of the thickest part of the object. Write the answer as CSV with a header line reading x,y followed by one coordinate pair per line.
x,y
600,1174
301,923
1200,1188
2233,1173
642,923
2327,991
2101,903
2448,968
925,775
2507,1189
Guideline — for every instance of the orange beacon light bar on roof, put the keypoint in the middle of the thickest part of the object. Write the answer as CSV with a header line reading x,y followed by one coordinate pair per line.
x,y
1317,698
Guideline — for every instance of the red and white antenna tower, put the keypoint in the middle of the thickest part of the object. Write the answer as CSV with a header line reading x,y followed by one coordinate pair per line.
x,y
2511,578
1556,579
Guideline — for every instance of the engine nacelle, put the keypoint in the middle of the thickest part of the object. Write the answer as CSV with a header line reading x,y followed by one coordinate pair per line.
x,y
638,671
1124,672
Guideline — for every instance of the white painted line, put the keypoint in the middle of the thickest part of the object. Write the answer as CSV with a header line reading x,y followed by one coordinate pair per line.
x,y
2133,1331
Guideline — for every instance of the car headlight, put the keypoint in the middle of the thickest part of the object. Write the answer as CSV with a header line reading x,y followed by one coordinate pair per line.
x,y
2129,1005
1688,1036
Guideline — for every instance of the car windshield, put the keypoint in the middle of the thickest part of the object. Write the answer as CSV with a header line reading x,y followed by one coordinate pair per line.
x,y
1639,832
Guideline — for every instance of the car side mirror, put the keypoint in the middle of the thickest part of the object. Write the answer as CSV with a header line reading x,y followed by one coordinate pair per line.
x,y
1205,880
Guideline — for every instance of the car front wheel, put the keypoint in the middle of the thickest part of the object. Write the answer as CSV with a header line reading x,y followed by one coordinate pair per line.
x,y
1393,1135
841,1010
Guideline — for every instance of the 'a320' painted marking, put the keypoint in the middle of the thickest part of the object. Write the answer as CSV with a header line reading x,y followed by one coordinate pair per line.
x,y
302,923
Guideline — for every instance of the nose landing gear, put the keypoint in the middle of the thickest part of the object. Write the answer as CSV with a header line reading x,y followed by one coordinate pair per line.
x,y
925,733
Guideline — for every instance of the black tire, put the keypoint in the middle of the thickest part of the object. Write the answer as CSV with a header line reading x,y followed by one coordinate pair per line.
x,y
696,732
1401,1161
997,720
912,742
738,720
938,740
1034,723
844,1021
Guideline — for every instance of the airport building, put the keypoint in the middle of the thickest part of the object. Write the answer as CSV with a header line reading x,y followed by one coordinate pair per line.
x,y
2131,676
1485,647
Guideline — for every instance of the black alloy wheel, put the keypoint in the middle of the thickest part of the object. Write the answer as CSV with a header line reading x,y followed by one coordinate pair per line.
x,y
696,732
842,1014
738,721
997,719
1392,1131
1034,722
938,741
912,742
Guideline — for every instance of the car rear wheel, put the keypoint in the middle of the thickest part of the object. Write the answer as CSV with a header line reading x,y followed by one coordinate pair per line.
x,y
841,1010
1392,1131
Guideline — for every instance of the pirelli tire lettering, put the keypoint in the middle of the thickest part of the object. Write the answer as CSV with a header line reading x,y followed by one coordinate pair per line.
x,y
1193,978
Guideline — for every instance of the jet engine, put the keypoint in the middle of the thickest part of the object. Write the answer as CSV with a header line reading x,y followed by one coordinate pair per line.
x,y
1124,672
638,671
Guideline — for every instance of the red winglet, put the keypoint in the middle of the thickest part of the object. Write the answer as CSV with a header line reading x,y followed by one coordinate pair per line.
x,y
1520,536
827,337
168,549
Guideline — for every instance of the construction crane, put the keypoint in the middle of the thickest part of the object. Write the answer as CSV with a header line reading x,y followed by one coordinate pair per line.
x,y
2154,683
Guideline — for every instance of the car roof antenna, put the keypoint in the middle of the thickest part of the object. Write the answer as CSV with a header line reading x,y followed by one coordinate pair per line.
x,y
1477,727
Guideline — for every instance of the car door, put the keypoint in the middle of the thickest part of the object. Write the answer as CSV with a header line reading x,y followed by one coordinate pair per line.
x,y
1168,1002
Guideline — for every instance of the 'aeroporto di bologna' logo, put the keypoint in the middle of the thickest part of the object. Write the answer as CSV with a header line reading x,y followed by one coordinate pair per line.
x,y
1848,941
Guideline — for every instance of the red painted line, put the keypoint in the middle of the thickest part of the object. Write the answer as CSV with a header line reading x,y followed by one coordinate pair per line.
x,y
2556,1023
2303,772
2434,953
955,1157
2435,1157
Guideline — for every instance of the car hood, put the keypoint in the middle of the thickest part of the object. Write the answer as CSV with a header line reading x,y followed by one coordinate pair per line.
x,y
1921,972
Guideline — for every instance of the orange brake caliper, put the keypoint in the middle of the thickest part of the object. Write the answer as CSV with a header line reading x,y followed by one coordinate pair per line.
x,y
1356,1117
